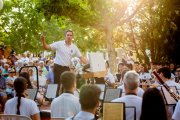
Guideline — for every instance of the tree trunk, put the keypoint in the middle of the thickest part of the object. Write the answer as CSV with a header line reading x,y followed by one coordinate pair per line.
x,y
111,48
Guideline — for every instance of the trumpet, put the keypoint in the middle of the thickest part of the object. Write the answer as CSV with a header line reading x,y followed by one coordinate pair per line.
x,y
171,92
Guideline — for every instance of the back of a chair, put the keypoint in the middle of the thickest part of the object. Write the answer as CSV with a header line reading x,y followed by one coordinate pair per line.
x,y
13,117
114,111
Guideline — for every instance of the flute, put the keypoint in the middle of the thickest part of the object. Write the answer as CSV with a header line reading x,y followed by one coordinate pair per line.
x,y
171,92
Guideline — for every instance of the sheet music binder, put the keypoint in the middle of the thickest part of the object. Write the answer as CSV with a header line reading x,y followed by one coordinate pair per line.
x,y
169,100
51,91
111,94
97,62
102,87
114,111
128,110
32,93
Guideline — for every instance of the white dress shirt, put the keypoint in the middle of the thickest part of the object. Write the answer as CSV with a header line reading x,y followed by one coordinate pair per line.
x,y
27,107
131,101
64,53
65,105
176,115
82,115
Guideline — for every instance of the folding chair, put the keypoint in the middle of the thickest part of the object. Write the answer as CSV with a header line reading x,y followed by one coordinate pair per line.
x,y
13,117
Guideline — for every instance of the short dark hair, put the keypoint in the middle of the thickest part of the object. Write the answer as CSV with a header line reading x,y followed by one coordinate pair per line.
x,y
68,31
89,96
68,79
165,71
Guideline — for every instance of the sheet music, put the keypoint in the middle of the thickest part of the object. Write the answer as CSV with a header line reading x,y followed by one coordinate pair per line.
x,y
31,93
97,62
51,90
169,100
116,108
102,87
112,94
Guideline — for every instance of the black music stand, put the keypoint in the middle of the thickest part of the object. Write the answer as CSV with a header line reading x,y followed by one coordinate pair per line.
x,y
131,109
111,94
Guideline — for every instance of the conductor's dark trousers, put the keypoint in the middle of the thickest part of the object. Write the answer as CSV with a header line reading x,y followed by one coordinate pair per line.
x,y
58,70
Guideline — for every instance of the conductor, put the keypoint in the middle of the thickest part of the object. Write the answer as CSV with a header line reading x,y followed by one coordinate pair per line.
x,y
65,50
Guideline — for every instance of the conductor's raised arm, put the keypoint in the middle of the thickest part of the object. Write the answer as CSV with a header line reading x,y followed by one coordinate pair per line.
x,y
45,45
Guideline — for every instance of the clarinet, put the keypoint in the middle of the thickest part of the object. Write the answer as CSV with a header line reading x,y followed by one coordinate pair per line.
x,y
171,92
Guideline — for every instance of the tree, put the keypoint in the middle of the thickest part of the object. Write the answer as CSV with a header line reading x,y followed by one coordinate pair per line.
x,y
104,15
19,25
153,28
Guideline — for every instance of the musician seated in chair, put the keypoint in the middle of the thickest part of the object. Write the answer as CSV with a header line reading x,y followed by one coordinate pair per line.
x,y
131,83
89,100
140,91
66,104
109,79
177,74
176,114
165,75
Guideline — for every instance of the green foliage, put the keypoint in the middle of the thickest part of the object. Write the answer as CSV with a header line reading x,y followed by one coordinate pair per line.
x,y
20,25
97,24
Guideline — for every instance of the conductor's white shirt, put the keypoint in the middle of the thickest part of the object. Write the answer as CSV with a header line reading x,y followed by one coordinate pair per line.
x,y
64,52
65,105
27,107
131,100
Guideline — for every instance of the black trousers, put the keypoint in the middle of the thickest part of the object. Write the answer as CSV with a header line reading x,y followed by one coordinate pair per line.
x,y
58,70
